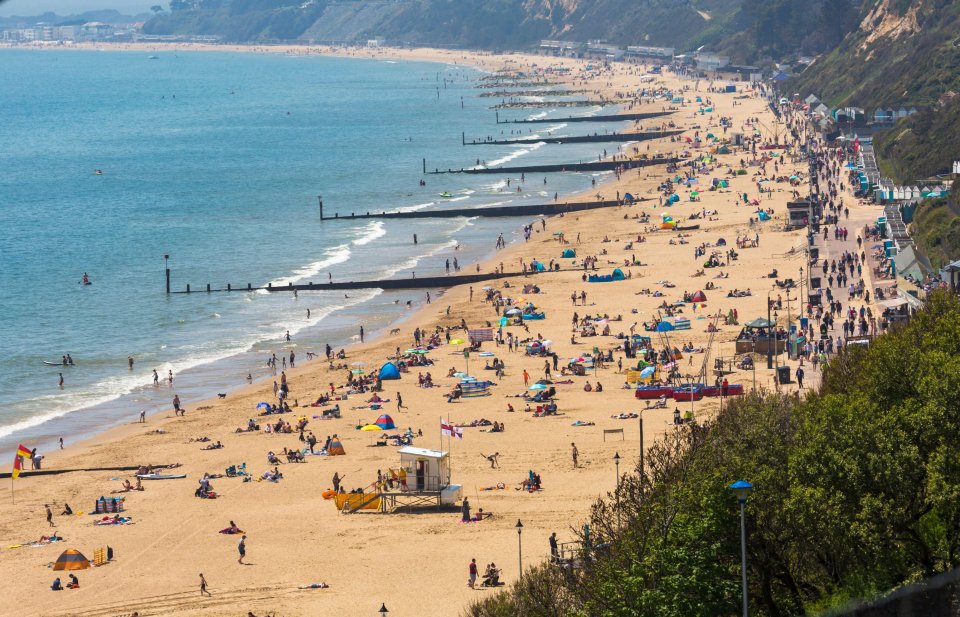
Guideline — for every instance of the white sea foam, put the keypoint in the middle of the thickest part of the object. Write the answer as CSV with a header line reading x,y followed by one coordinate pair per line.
x,y
516,153
331,257
373,231
537,116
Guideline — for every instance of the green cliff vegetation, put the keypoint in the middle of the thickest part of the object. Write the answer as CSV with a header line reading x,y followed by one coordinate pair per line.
x,y
936,228
857,491
903,53
921,145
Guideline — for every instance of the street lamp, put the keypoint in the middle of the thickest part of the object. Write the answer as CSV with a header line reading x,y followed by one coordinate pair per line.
x,y
742,488
383,609
519,527
616,461
776,342
769,333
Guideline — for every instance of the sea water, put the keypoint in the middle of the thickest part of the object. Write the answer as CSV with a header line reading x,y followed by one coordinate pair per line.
x,y
110,161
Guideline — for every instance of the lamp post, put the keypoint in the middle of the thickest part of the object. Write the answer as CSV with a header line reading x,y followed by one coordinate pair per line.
x,y
742,488
769,334
776,346
616,461
519,528
383,610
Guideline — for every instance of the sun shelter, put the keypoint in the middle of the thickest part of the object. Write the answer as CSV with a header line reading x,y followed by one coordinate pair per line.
x,y
698,296
336,448
569,253
617,274
389,371
472,388
71,559
385,422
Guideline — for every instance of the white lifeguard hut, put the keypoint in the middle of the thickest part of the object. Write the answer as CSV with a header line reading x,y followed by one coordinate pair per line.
x,y
427,477
428,473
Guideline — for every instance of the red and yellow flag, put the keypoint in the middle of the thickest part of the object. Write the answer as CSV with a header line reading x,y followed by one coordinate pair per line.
x,y
22,452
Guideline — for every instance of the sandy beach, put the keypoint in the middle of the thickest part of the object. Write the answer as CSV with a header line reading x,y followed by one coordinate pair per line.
x,y
416,563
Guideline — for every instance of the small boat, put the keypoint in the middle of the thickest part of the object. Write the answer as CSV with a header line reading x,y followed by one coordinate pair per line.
x,y
153,57
57,363
446,195
161,476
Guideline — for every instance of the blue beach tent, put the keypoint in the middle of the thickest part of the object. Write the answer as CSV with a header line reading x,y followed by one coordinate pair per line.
x,y
389,371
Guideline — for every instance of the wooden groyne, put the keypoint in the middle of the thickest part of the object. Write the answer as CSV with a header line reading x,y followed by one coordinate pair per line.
x,y
549,104
601,118
574,139
427,282
562,168
508,94
489,211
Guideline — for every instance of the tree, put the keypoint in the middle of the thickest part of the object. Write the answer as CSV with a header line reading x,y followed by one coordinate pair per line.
x,y
157,9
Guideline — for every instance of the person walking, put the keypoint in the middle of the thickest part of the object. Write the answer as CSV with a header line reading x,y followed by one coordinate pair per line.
x,y
49,515
400,404
465,511
526,378
473,573
799,374
242,549
554,549
203,586
361,334
575,453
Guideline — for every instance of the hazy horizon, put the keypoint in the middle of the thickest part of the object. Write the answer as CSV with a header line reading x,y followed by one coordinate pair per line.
x,y
29,8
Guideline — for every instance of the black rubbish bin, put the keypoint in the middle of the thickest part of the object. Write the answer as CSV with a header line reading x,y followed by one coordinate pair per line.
x,y
783,374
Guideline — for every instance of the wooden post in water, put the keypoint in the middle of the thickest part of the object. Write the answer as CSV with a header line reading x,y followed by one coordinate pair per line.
x,y
320,199
166,267
208,287
424,166
228,287
188,287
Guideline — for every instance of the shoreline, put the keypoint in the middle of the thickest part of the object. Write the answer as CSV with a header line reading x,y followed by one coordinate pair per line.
x,y
107,408
296,537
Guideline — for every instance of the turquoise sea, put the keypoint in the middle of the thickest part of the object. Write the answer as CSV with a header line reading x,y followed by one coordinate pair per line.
x,y
217,159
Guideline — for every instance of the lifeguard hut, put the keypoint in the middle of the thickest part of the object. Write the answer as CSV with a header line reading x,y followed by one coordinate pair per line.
x,y
427,484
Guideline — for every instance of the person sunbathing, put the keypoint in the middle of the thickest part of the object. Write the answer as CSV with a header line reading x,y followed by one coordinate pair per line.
x,y
213,446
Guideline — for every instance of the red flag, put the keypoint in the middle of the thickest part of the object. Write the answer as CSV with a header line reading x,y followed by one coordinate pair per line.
x,y
22,453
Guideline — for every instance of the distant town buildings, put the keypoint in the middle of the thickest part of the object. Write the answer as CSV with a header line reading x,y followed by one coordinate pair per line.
x,y
94,31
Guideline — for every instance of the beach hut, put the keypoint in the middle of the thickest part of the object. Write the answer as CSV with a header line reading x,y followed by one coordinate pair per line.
x,y
389,371
385,422
71,559
336,448
698,296
569,253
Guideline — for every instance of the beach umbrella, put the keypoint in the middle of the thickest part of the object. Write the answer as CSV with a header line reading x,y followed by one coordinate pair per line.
x,y
371,427
647,372
263,405
513,311
71,559
457,341
547,342
538,386
486,354
694,193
